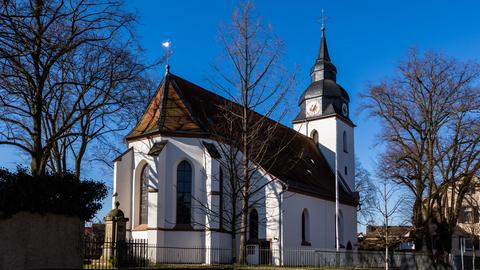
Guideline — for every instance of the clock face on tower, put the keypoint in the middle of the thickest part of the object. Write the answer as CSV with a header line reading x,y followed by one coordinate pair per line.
x,y
345,109
313,108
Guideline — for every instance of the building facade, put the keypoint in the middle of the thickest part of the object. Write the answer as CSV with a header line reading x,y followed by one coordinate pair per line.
x,y
175,185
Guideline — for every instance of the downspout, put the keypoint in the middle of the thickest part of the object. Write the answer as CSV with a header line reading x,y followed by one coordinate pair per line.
x,y
280,220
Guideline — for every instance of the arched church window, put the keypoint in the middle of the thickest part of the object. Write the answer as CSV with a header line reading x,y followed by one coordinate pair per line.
x,y
340,228
184,193
345,149
220,187
314,136
253,224
144,195
305,228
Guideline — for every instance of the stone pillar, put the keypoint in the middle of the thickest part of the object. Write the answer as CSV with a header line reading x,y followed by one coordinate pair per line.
x,y
115,231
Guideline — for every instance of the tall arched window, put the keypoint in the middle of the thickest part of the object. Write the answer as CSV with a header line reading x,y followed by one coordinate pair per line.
x,y
184,193
144,195
220,189
305,228
314,135
340,228
345,143
253,224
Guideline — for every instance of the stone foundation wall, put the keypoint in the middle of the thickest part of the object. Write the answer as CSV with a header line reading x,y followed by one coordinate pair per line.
x,y
32,241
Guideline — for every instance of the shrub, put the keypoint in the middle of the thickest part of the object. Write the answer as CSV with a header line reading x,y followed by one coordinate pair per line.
x,y
54,194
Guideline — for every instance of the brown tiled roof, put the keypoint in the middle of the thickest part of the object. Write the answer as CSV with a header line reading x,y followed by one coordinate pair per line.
x,y
186,109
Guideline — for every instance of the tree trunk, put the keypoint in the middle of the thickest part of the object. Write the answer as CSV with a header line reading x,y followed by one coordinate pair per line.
x,y
245,163
233,227
244,217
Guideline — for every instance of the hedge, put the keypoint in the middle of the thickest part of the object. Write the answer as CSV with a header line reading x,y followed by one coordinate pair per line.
x,y
54,194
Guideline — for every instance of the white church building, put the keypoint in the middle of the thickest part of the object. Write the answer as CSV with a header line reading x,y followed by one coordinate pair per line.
x,y
171,180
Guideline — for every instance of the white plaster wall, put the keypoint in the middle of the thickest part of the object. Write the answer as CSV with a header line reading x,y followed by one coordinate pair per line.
x,y
346,159
273,204
330,138
33,241
162,204
122,182
322,221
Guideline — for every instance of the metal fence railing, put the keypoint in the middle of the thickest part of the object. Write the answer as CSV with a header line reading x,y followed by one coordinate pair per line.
x,y
138,254
131,253
290,257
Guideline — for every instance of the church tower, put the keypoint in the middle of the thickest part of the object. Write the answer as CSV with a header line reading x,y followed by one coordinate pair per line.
x,y
324,116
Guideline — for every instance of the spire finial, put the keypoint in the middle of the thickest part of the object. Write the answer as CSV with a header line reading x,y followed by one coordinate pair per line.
x,y
167,69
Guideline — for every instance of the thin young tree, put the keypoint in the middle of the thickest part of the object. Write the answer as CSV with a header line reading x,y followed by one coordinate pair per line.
x,y
430,125
255,80
65,66
388,207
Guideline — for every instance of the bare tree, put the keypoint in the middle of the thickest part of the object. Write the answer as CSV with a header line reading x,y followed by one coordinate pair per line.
x,y
66,68
367,194
430,126
255,80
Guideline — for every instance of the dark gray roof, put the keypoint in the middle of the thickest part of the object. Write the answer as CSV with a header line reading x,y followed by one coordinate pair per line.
x,y
212,150
157,148
326,88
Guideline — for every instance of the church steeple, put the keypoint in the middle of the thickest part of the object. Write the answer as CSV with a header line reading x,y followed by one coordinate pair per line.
x,y
323,67
324,96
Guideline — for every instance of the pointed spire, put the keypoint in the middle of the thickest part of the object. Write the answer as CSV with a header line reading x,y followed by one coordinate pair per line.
x,y
323,68
323,51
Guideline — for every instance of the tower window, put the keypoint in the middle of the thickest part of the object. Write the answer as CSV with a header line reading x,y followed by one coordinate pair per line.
x,y
345,149
346,171
314,136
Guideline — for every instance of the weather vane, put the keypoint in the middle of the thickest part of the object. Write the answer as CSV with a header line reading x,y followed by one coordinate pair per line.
x,y
168,52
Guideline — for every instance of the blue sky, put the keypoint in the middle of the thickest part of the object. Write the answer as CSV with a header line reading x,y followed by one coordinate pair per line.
x,y
366,39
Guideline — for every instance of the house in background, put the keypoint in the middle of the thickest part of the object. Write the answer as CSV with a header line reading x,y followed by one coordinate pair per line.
x,y
399,238
467,232
172,169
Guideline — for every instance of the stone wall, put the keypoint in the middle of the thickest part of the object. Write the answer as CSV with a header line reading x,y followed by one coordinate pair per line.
x,y
32,241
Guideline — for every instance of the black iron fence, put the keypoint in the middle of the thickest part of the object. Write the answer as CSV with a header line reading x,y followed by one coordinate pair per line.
x,y
131,253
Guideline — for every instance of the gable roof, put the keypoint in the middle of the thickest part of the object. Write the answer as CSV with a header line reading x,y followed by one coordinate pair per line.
x,y
181,108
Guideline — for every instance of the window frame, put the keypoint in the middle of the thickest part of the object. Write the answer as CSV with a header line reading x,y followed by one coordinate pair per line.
x,y
143,196
253,228
184,207
305,228
314,136
345,142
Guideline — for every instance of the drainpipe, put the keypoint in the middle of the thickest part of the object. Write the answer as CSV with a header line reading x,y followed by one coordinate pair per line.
x,y
280,220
